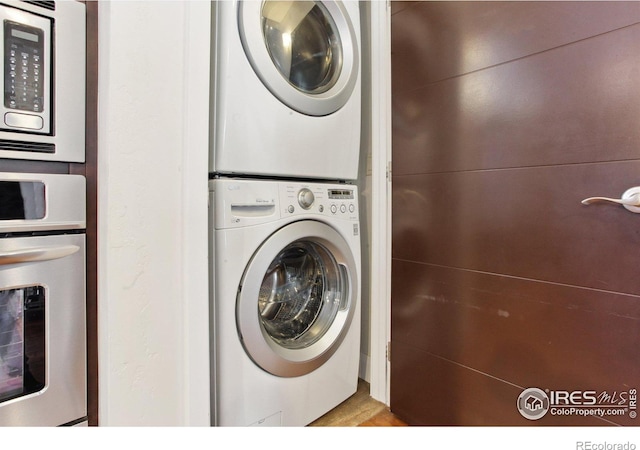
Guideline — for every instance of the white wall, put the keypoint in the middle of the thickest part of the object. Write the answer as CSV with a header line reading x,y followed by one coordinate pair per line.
x,y
152,236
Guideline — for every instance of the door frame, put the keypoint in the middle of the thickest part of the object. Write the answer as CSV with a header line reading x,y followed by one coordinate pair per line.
x,y
380,284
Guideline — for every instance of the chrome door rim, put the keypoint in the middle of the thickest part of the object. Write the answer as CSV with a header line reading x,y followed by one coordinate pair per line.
x,y
259,346
313,104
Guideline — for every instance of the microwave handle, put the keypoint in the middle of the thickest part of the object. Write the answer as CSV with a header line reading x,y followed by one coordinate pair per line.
x,y
37,254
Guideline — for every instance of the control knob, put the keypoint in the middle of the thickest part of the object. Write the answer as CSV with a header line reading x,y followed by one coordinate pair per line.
x,y
305,198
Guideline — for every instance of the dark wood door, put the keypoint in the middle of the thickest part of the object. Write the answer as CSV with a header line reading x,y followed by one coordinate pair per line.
x,y
505,116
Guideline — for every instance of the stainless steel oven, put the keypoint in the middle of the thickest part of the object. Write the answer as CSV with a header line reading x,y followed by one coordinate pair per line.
x,y
42,300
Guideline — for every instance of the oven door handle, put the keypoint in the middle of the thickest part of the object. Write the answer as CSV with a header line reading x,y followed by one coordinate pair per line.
x,y
37,254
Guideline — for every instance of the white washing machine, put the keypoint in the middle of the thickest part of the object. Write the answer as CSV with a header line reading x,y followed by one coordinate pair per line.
x,y
286,89
286,300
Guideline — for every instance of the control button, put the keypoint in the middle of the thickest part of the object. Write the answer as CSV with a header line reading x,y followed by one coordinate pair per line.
x,y
334,209
343,209
28,121
305,198
352,208
321,208
291,209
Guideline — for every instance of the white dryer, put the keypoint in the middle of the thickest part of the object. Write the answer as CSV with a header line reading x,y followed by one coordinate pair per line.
x,y
286,300
286,89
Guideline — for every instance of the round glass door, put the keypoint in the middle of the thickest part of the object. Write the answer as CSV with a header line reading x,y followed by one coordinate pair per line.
x,y
300,295
304,52
303,42
297,298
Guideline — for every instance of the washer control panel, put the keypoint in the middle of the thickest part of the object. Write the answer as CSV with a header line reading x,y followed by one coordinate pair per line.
x,y
327,199
240,202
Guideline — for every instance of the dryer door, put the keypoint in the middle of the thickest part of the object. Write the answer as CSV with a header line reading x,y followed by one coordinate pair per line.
x,y
305,52
297,298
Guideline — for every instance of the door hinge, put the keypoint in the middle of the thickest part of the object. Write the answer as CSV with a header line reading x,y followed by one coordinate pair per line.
x,y
389,351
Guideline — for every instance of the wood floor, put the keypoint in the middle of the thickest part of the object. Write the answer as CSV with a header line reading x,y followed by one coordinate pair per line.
x,y
359,410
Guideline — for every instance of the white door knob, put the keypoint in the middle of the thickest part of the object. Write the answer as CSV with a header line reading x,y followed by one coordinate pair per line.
x,y
630,199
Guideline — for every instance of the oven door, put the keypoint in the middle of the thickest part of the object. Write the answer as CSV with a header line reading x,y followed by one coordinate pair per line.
x,y
42,330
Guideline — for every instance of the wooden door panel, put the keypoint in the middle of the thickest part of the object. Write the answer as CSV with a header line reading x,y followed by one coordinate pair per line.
x,y
435,391
433,41
401,5
505,116
530,333
573,104
526,222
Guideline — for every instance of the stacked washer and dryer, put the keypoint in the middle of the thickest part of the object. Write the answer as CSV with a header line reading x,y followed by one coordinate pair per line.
x,y
284,233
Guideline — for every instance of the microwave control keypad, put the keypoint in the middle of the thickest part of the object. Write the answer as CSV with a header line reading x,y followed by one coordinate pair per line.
x,y
23,67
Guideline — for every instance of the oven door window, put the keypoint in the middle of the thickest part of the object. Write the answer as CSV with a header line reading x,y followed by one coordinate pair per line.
x,y
22,341
22,200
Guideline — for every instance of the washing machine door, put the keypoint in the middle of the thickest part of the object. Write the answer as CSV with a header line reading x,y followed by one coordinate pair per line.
x,y
305,52
297,298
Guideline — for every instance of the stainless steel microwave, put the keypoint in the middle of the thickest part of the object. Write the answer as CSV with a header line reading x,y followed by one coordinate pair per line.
x,y
42,112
